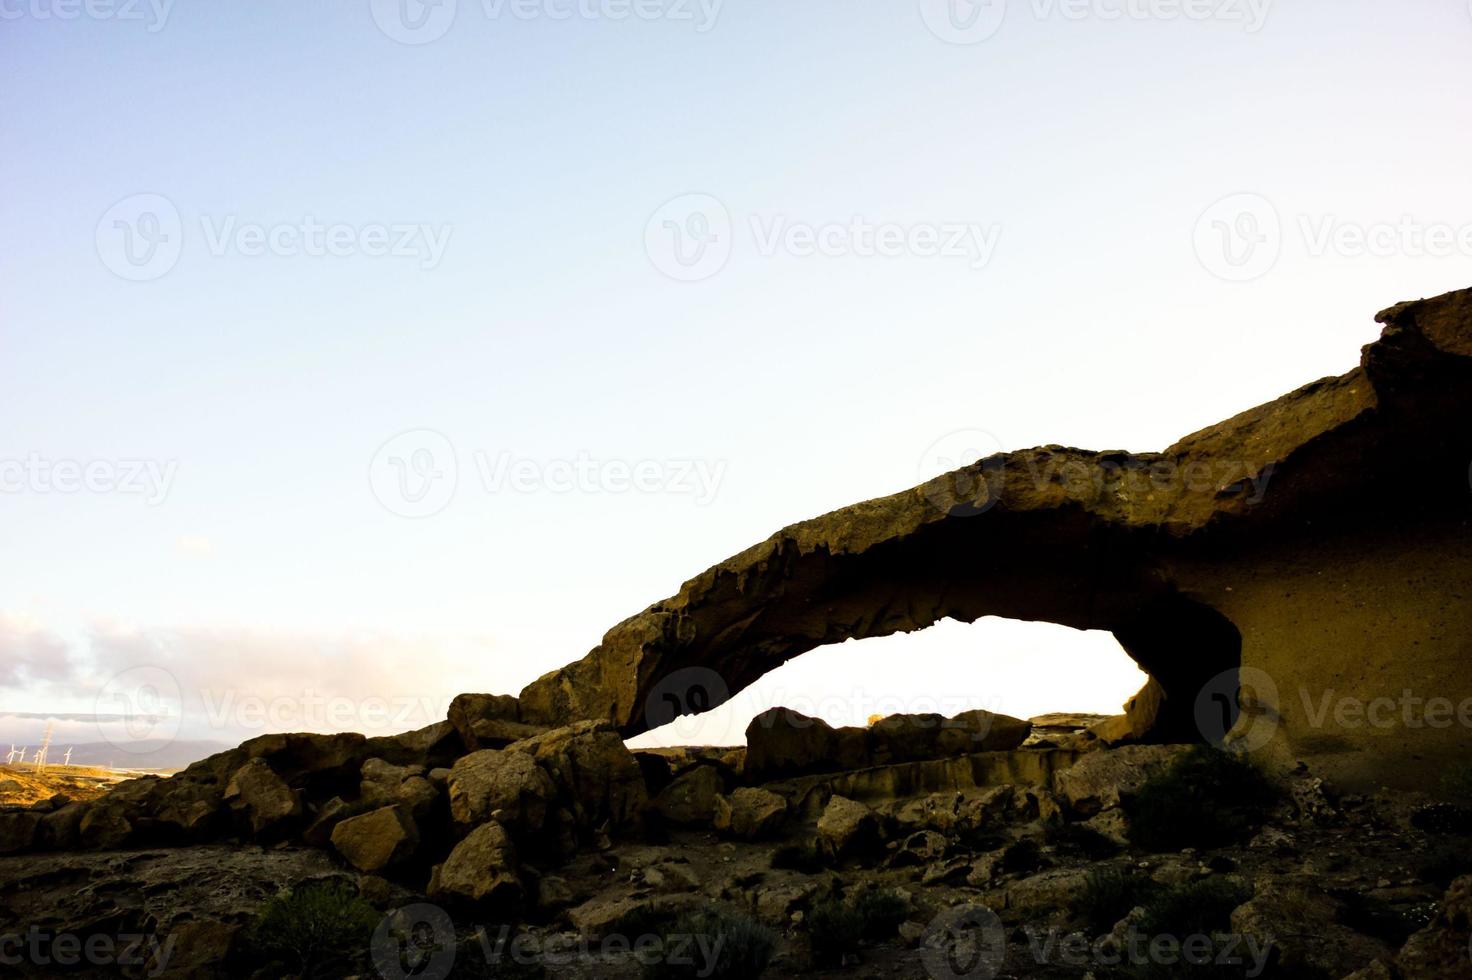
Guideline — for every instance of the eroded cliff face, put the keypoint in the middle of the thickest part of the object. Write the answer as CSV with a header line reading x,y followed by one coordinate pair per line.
x,y
1317,541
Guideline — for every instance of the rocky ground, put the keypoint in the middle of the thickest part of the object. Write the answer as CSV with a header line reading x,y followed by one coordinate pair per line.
x,y
919,847
23,785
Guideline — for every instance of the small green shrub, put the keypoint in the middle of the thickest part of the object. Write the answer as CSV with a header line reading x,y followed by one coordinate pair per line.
x,y
1109,895
317,931
1208,798
834,928
881,912
1078,840
1443,864
1199,908
798,857
1021,857
741,947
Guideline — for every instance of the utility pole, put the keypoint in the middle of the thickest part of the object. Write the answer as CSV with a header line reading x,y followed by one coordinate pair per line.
x,y
39,759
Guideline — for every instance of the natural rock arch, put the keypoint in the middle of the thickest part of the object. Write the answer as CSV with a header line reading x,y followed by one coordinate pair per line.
x,y
1283,539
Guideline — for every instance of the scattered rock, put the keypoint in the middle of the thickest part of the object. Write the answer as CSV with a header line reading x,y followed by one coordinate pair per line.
x,y
377,840
263,798
848,828
750,813
691,797
1099,780
483,870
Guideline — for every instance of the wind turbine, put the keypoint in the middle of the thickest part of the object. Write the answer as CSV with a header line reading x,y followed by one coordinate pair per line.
x,y
9,759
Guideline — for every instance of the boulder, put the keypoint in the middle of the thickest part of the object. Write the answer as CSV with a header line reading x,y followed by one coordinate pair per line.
x,y
19,830
750,813
1301,923
376,840
1441,951
1099,780
507,785
848,828
690,798
489,721
598,779
481,870
263,799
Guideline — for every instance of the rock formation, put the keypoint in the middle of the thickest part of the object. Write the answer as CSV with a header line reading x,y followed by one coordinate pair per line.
x,y
1319,542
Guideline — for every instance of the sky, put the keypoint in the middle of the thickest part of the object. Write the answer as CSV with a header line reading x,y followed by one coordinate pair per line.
x,y
355,355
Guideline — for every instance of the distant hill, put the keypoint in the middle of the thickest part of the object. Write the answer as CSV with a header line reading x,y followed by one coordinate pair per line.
x,y
148,754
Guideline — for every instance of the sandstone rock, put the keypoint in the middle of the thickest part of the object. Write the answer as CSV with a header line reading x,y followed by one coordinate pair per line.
x,y
1441,951
920,848
376,840
104,826
489,721
267,804
433,745
781,742
493,781
848,828
324,818
553,894
597,917
19,830
482,869
1098,780
750,813
62,829
1113,824
1046,891
691,797
776,903
1302,923
198,948
597,778
670,877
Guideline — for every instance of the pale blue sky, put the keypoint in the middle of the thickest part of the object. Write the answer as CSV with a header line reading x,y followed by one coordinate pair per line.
x,y
542,147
